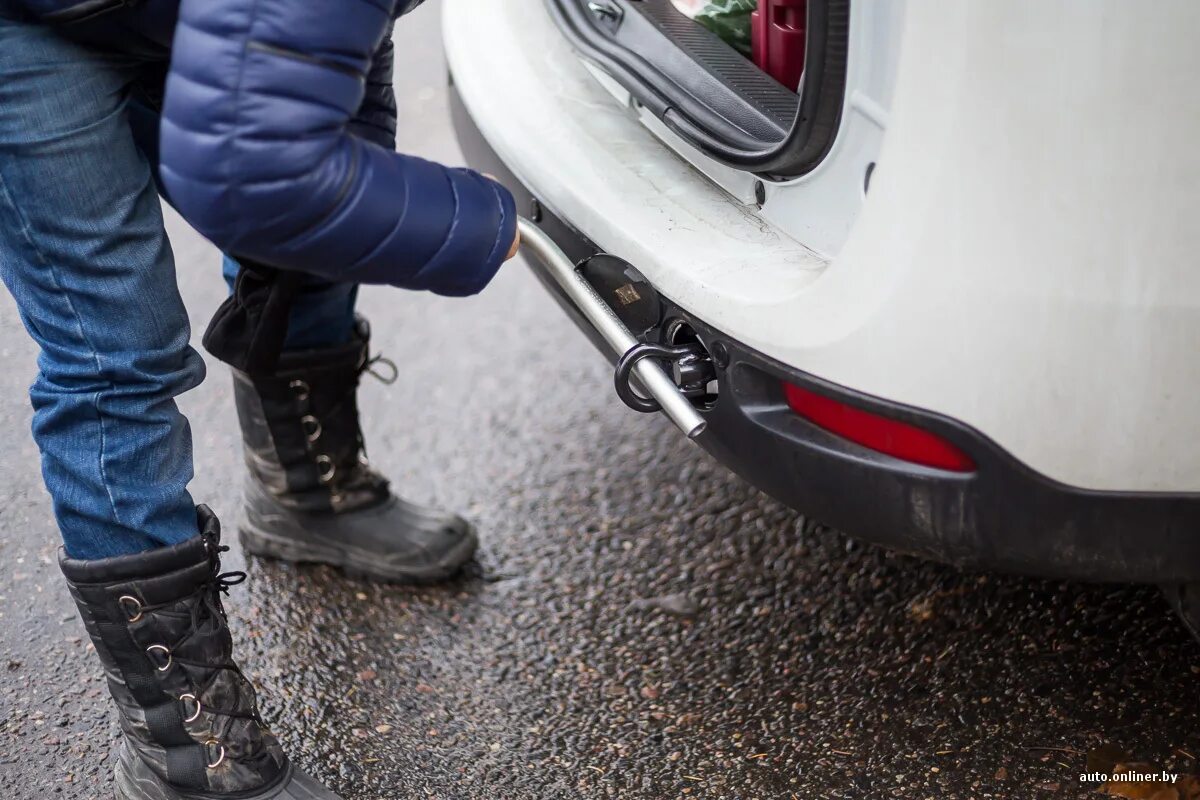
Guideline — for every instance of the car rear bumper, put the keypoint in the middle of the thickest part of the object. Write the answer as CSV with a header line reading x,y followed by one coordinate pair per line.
x,y
1002,516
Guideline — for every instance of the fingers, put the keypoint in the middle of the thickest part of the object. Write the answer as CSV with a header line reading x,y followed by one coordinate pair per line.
x,y
516,243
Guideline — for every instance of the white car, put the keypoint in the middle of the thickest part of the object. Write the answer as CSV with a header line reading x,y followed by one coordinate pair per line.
x,y
943,294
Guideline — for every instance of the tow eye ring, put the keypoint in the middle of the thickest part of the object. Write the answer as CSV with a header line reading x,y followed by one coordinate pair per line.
x,y
680,356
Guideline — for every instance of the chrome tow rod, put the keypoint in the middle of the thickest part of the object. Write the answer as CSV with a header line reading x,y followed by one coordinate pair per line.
x,y
652,376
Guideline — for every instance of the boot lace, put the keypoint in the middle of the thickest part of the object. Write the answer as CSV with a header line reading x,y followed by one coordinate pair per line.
x,y
354,466
205,618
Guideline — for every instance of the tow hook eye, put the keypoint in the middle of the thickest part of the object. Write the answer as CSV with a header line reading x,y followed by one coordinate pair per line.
x,y
691,367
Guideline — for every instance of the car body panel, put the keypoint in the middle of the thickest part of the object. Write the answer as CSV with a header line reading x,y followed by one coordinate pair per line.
x,y
1022,263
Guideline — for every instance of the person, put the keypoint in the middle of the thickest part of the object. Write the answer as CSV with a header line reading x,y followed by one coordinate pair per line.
x,y
270,127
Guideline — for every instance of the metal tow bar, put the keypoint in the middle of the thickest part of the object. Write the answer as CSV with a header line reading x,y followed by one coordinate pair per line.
x,y
652,376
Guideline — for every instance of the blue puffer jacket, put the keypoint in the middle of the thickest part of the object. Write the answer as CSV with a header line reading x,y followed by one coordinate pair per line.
x,y
269,150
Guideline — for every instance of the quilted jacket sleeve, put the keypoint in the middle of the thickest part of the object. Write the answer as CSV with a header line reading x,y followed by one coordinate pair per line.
x,y
376,117
262,152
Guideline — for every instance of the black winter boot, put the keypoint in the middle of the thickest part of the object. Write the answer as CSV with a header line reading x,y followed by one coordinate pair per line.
x,y
310,495
189,716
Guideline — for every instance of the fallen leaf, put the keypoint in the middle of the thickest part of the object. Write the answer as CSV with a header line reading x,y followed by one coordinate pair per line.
x,y
921,610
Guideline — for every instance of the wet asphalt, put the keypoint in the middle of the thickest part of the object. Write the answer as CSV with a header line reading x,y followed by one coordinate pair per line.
x,y
640,623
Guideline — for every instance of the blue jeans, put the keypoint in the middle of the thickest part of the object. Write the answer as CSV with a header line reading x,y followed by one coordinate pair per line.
x,y
85,255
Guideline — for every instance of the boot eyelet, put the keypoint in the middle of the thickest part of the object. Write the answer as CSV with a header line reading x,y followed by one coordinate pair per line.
x,y
312,427
301,389
220,758
131,606
191,698
160,648
325,469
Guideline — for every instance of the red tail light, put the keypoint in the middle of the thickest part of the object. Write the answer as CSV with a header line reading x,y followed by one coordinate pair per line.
x,y
897,439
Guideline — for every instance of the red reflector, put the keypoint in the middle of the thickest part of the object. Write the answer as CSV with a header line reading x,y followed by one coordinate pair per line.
x,y
896,439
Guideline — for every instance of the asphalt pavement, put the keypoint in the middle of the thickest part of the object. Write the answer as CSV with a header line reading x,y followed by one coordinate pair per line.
x,y
640,623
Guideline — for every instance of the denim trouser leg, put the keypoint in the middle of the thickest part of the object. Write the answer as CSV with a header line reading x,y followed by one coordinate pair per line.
x,y
322,314
84,253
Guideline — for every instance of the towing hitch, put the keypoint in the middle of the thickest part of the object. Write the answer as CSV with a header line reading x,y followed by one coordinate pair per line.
x,y
636,359
691,370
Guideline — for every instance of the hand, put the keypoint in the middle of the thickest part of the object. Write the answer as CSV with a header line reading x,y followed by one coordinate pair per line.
x,y
516,243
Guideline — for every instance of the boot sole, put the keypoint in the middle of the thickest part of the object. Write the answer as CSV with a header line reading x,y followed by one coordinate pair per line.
x,y
136,781
259,541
